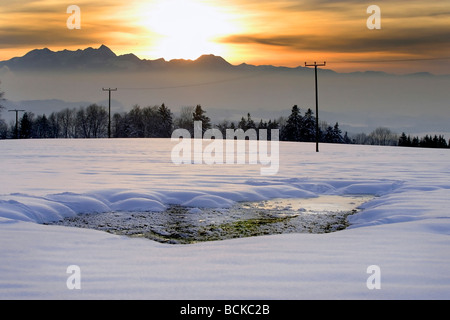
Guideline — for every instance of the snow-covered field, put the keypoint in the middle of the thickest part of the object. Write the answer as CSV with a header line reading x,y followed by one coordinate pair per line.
x,y
404,230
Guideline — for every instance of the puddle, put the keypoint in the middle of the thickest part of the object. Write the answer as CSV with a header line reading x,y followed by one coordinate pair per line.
x,y
183,225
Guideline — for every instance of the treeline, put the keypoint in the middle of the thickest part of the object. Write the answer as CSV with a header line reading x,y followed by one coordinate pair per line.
x,y
92,122
159,122
296,127
424,142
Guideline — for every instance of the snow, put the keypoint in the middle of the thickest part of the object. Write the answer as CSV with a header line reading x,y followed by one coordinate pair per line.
x,y
404,230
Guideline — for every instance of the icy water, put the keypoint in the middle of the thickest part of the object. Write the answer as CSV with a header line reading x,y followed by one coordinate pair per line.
x,y
183,225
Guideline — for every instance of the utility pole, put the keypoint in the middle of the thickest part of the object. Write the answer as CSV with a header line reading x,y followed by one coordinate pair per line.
x,y
315,65
17,121
109,121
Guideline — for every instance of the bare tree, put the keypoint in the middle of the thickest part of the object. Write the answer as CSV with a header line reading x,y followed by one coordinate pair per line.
x,y
185,120
360,138
97,117
82,126
383,136
67,120
2,94
135,121
3,126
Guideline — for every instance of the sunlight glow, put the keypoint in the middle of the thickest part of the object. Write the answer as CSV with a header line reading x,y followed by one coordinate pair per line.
x,y
185,29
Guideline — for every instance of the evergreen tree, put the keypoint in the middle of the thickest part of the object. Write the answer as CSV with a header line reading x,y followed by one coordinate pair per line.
x,y
199,115
442,143
337,134
308,130
262,125
425,142
166,122
293,127
41,128
151,122
347,140
272,125
26,126
404,141
329,134
242,124
250,123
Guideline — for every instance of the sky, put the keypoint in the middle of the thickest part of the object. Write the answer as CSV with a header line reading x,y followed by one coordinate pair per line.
x,y
414,36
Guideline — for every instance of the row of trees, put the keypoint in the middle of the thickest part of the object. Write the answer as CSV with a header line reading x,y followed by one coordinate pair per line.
x,y
296,127
92,122
381,136
159,122
424,142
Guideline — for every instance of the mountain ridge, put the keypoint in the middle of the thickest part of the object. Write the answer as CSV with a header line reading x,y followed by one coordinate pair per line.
x,y
105,60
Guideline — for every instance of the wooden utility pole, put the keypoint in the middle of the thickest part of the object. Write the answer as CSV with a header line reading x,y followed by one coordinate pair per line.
x,y
17,121
315,65
109,112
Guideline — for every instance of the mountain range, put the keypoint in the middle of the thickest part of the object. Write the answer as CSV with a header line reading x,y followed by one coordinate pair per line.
x,y
105,59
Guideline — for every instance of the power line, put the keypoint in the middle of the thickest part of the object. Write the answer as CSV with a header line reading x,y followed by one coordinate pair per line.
x,y
200,84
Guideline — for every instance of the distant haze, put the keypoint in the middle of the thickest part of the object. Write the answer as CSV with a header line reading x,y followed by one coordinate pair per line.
x,y
44,81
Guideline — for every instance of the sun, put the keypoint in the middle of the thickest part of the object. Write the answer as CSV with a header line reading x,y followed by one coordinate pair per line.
x,y
186,29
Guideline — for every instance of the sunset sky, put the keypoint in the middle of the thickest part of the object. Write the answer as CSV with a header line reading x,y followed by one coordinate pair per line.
x,y
414,35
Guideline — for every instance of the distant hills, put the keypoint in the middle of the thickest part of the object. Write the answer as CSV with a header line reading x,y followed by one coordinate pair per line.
x,y
104,59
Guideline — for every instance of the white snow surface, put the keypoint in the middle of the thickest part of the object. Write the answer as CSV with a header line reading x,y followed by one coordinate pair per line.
x,y
404,230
